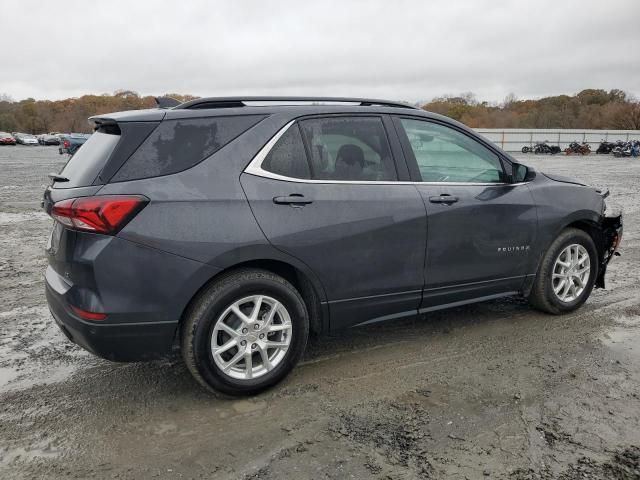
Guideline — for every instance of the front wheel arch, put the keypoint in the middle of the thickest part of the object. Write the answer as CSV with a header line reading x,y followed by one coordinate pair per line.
x,y
540,295
590,227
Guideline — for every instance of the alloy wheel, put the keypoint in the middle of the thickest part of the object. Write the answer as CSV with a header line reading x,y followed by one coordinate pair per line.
x,y
571,272
251,337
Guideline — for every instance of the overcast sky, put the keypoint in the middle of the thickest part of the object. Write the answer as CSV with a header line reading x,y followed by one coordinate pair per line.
x,y
403,50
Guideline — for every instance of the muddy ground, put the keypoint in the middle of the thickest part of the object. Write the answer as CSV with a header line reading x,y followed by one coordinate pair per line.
x,y
494,390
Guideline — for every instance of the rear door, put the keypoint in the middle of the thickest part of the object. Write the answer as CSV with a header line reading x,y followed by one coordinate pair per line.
x,y
480,227
325,190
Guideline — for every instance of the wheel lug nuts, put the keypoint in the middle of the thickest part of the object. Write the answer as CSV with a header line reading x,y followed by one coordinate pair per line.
x,y
261,336
256,327
243,343
245,330
253,346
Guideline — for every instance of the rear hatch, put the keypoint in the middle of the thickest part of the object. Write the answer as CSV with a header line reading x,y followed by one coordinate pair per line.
x,y
97,160
83,176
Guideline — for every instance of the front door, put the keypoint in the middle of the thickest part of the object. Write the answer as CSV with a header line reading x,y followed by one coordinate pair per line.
x,y
480,227
327,193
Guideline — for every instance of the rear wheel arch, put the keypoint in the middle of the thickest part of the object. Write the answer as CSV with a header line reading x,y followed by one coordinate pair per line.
x,y
319,321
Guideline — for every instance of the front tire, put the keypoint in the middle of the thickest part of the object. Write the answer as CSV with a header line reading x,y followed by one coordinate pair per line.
x,y
566,274
245,332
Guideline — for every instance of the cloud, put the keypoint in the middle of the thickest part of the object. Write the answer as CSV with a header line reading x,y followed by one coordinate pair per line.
x,y
407,50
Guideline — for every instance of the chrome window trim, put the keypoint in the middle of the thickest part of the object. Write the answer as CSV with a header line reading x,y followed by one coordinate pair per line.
x,y
255,168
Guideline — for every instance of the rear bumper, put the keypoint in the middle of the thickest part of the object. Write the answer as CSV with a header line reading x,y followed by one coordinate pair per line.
x,y
120,342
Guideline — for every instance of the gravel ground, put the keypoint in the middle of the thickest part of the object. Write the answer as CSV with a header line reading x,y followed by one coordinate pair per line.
x,y
494,390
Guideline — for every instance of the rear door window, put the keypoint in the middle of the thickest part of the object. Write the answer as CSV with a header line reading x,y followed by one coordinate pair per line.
x,y
83,168
176,145
349,149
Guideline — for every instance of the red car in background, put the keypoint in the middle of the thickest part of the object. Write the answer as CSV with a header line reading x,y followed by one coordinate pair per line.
x,y
7,139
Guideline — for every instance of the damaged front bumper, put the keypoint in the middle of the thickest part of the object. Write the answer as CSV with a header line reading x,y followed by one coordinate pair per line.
x,y
611,236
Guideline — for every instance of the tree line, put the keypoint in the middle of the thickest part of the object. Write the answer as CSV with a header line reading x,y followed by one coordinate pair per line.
x,y
70,114
588,109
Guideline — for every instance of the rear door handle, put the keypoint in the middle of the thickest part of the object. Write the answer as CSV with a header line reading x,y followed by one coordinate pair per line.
x,y
293,199
444,198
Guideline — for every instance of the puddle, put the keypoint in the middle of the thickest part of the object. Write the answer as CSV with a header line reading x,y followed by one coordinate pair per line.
x,y
39,450
623,340
7,375
7,218
33,351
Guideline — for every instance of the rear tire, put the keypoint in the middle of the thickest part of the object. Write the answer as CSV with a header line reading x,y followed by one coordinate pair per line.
x,y
261,315
553,278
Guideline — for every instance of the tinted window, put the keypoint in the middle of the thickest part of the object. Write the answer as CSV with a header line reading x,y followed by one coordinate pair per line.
x,y
446,155
176,145
349,148
83,168
288,157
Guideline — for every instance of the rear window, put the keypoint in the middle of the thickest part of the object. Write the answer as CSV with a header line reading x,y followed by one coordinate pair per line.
x,y
176,145
83,168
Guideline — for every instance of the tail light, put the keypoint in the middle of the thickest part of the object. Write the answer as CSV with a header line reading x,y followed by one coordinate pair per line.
x,y
101,214
66,143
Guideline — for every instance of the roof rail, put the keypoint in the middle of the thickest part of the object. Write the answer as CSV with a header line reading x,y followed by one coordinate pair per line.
x,y
231,102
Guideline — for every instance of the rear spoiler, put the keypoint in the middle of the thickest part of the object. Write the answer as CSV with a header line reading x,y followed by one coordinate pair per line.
x,y
148,115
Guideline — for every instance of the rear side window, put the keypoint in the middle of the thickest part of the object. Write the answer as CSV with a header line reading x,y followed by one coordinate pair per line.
x,y
83,168
176,145
287,157
349,148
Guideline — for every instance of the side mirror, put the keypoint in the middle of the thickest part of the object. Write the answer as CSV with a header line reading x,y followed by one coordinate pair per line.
x,y
519,173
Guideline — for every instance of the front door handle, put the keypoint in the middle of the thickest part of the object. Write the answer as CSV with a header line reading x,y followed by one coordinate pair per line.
x,y
444,198
293,199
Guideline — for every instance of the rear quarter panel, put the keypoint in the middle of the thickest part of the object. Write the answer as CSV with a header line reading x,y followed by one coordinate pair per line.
x,y
202,213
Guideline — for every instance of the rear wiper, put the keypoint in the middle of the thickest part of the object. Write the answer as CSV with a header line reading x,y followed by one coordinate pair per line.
x,y
57,178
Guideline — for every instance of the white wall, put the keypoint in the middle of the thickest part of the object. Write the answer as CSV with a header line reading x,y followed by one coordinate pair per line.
x,y
513,139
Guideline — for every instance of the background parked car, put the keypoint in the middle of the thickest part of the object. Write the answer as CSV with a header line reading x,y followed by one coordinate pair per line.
x,y
7,139
26,139
71,142
48,139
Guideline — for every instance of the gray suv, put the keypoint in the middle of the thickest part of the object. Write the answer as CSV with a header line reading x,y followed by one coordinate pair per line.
x,y
237,227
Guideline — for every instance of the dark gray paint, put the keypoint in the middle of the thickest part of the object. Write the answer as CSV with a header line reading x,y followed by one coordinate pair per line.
x,y
466,240
371,251
362,241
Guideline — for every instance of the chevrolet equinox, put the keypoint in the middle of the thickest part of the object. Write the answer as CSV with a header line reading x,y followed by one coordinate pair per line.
x,y
237,227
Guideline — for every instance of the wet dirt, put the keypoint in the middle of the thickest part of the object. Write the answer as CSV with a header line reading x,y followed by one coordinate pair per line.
x,y
493,390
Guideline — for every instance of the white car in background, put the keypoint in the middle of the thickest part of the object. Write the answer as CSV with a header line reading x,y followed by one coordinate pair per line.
x,y
26,139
